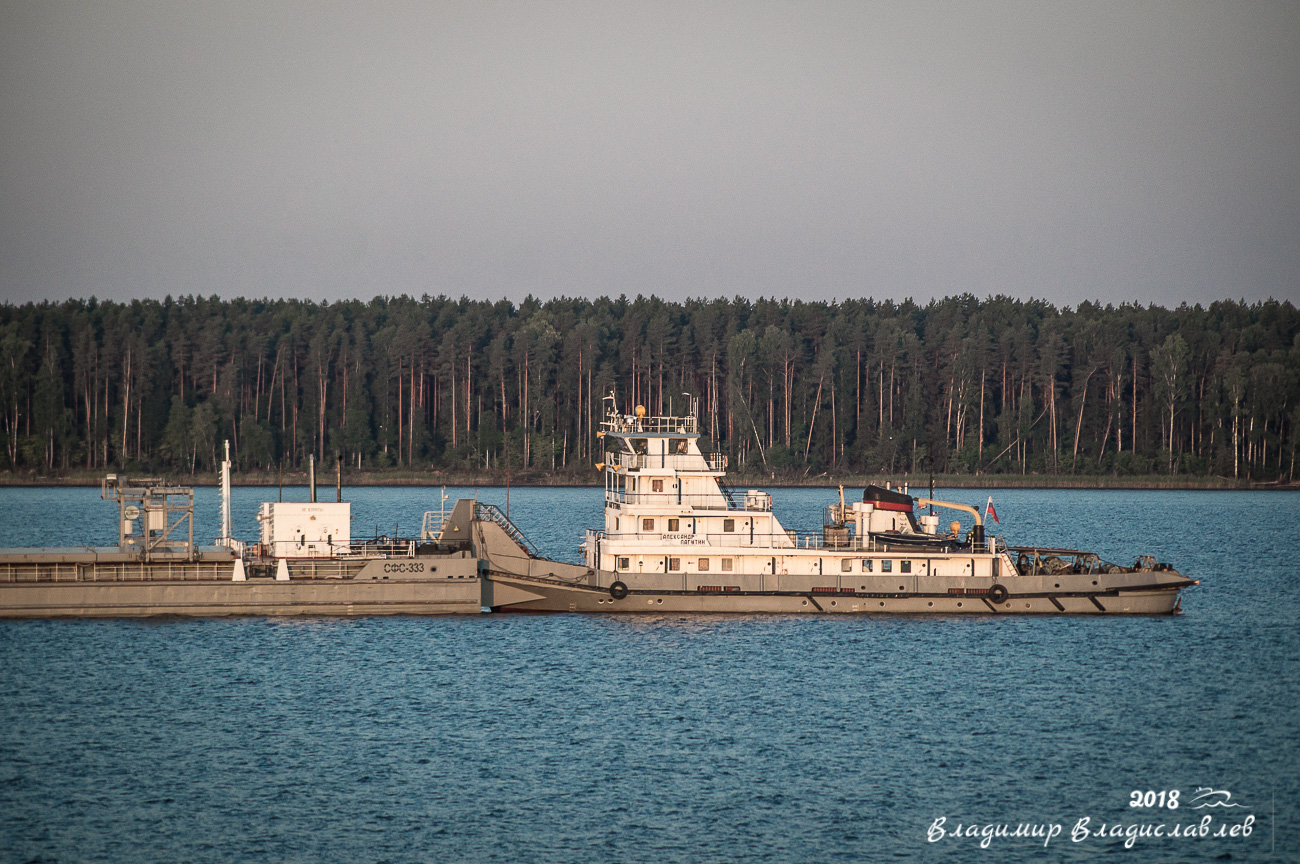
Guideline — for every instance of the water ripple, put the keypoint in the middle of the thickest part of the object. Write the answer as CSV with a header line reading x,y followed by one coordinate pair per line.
x,y
665,738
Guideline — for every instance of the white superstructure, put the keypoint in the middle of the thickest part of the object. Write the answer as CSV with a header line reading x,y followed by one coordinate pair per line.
x,y
671,523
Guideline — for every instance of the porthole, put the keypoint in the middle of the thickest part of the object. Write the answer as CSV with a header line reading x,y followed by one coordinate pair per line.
x,y
805,603
1058,584
650,602
882,602
931,603
958,604
832,602
660,600
901,588
1094,581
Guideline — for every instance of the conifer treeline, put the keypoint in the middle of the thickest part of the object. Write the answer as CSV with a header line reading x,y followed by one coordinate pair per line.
x,y
956,386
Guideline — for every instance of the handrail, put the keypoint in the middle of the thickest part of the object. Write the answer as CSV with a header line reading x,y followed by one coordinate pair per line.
x,y
322,551
626,424
714,501
674,461
431,525
730,495
492,513
791,539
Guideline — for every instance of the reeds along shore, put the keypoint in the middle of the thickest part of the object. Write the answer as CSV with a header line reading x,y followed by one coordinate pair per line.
x,y
998,388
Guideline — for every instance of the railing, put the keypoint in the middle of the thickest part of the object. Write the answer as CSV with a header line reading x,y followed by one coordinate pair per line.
x,y
236,546
730,495
674,461
716,501
132,571
1041,560
791,539
338,568
431,528
294,549
626,424
492,513
742,539
382,547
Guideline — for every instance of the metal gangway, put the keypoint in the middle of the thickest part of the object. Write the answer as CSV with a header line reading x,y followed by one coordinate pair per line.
x,y
492,513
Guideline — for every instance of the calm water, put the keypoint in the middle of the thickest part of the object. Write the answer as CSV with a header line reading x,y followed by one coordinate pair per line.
x,y
664,738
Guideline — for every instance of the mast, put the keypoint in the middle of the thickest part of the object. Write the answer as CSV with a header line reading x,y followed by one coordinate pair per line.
x,y
225,498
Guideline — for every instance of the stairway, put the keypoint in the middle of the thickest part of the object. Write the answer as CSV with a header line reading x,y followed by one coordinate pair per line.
x,y
492,513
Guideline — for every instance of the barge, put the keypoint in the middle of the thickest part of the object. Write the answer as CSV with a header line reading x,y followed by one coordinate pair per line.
x,y
157,570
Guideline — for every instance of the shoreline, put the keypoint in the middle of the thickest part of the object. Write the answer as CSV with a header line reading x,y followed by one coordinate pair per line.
x,y
325,480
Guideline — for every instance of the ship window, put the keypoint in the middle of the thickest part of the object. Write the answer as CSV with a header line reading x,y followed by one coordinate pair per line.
x,y
647,524
726,563
866,565
704,564
846,565
905,566
624,563
656,485
728,525
677,445
673,525
674,563
886,566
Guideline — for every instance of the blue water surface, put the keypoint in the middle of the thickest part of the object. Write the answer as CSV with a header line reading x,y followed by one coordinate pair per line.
x,y
664,738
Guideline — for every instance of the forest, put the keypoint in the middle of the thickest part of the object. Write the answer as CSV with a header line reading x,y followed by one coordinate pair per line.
x,y
786,388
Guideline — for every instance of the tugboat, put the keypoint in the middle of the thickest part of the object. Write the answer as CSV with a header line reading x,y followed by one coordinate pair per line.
x,y
676,538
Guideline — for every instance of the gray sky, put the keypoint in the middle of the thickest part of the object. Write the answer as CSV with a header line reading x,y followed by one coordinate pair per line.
x,y
1114,151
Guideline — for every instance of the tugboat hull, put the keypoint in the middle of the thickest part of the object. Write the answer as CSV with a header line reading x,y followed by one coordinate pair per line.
x,y
523,594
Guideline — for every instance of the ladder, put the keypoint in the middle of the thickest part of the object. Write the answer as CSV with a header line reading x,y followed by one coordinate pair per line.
x,y
730,494
492,513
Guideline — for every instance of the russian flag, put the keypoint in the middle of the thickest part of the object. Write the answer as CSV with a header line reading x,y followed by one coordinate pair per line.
x,y
990,513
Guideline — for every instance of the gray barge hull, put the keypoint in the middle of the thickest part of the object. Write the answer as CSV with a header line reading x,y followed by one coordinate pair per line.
x,y
39,583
